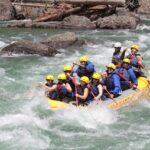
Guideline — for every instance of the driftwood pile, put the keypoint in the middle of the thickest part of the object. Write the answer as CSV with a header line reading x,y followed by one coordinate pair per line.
x,y
93,9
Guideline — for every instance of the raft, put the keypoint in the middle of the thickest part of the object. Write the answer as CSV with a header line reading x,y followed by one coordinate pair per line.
x,y
128,97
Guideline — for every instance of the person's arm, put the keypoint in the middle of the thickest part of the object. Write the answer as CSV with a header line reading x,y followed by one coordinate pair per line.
x,y
78,71
50,89
117,85
68,87
85,95
90,67
100,90
133,77
123,54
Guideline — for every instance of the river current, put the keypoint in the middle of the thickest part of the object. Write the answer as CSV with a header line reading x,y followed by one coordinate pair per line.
x,y
26,123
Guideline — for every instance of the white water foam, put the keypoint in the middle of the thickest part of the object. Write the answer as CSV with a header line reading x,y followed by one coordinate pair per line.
x,y
89,118
2,44
143,27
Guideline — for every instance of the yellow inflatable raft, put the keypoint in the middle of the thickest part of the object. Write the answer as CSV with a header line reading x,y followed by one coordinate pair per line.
x,y
127,97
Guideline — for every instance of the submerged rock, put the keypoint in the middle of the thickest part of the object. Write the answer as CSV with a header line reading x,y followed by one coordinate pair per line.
x,y
74,21
28,48
7,12
117,22
45,48
63,40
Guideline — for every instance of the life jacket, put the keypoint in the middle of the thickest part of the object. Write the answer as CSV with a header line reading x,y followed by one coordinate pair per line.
x,y
85,72
53,94
80,91
69,80
62,92
113,87
94,89
135,65
116,58
123,74
124,78
134,60
109,82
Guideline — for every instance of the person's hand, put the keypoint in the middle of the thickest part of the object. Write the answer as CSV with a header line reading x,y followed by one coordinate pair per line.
x,y
67,74
77,95
131,85
134,87
63,85
96,99
126,49
104,87
111,96
75,63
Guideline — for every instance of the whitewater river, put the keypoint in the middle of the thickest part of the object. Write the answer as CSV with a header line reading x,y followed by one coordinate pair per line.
x,y
26,123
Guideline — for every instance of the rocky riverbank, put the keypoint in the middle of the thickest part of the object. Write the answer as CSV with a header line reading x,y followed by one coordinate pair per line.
x,y
64,15
107,17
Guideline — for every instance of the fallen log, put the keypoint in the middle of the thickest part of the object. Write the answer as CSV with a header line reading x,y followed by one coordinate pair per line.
x,y
94,2
31,5
59,15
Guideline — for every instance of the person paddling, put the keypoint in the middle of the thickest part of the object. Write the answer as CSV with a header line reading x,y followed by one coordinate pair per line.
x,y
95,86
136,60
52,94
127,76
83,93
118,55
64,89
85,68
111,83
69,75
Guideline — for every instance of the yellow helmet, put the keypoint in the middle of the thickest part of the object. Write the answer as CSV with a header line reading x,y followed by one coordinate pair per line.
x,y
135,47
111,66
67,68
62,76
96,76
83,58
126,60
49,77
85,79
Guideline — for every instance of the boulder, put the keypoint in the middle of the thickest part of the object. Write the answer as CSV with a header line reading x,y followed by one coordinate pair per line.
x,y
122,11
144,7
7,11
74,21
62,40
28,48
117,22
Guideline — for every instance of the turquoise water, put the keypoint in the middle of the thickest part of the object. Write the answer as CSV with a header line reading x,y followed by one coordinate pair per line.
x,y
26,123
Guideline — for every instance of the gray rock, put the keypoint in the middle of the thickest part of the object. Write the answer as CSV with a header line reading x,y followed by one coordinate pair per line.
x,y
121,11
74,21
61,40
117,22
28,48
7,11
144,7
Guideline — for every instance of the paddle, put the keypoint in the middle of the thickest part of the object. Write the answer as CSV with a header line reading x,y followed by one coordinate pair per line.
x,y
89,87
79,65
120,75
75,83
110,95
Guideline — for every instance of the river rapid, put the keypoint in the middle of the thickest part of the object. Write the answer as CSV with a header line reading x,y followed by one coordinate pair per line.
x,y
26,123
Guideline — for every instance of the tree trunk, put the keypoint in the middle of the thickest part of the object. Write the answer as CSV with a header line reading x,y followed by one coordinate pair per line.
x,y
93,2
60,15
